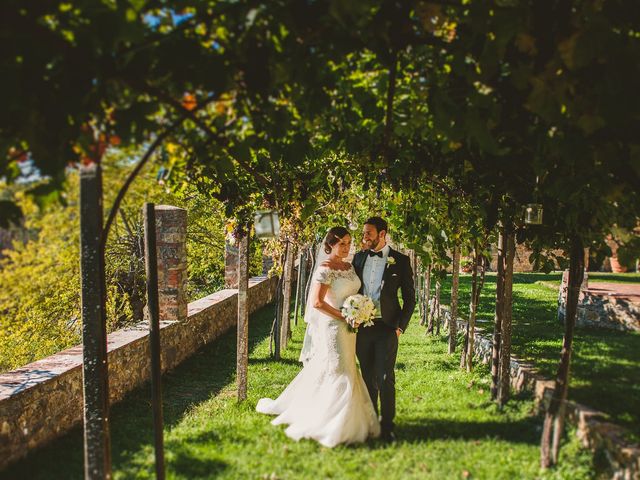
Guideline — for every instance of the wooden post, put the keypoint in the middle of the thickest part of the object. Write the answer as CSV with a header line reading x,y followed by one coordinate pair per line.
x,y
426,293
309,279
286,297
467,333
497,327
453,326
231,254
151,265
298,287
436,307
414,267
554,418
97,446
476,287
303,282
242,356
277,321
507,306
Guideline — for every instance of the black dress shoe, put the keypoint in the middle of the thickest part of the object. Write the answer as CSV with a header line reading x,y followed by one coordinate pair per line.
x,y
388,437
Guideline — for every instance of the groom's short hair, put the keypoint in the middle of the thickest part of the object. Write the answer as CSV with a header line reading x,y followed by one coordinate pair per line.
x,y
379,223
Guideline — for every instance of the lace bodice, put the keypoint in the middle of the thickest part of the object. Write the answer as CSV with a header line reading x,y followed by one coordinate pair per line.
x,y
342,284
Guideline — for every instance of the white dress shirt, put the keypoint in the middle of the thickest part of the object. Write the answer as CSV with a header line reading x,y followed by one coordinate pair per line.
x,y
372,274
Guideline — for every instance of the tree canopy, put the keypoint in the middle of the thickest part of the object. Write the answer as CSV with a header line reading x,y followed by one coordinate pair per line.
x,y
500,104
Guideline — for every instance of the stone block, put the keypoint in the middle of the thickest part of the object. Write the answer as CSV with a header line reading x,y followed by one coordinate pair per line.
x,y
593,430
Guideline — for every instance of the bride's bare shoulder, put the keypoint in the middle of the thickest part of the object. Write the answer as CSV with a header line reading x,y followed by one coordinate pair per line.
x,y
338,266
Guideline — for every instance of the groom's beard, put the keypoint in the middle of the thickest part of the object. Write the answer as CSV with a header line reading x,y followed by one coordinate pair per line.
x,y
373,244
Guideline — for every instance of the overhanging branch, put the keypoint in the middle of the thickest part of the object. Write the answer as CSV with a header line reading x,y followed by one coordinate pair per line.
x,y
190,115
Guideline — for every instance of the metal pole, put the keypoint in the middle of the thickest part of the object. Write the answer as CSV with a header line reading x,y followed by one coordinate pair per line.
x,y
97,446
242,355
151,264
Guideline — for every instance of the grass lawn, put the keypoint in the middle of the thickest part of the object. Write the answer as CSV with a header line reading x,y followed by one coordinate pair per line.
x,y
605,366
446,425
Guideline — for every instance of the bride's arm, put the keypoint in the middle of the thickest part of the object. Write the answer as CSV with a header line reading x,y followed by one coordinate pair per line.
x,y
319,292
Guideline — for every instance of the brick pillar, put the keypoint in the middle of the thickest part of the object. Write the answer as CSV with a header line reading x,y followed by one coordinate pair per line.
x,y
171,233
230,264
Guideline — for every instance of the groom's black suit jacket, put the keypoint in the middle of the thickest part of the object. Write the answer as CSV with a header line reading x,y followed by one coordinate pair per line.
x,y
397,276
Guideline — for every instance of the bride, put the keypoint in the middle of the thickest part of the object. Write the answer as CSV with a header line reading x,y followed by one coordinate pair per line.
x,y
328,400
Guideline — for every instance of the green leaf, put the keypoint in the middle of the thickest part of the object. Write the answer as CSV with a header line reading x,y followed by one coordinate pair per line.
x,y
309,208
590,123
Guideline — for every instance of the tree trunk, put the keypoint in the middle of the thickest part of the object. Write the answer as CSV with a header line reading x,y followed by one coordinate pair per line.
x,y
453,330
426,292
298,287
474,309
497,327
436,308
507,306
286,300
467,354
554,417
431,313
419,293
303,282
414,267
308,270
242,352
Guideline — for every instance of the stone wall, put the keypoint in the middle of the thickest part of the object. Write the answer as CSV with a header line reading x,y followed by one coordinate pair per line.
x,y
603,305
608,311
593,429
43,400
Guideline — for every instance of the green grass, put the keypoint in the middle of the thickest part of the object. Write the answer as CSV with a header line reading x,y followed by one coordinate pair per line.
x,y
605,367
446,425
614,277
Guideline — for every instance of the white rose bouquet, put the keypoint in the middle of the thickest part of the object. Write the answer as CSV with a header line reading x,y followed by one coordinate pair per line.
x,y
358,310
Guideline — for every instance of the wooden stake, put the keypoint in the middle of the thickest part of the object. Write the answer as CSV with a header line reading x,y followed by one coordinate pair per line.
x,y
242,355
97,443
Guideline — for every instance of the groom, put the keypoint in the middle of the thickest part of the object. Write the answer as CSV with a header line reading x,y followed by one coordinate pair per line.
x,y
383,271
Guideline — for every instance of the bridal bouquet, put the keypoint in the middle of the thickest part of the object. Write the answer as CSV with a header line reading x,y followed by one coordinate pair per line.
x,y
358,310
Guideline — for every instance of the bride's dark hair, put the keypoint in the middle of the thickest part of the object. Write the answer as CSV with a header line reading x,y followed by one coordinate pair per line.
x,y
334,235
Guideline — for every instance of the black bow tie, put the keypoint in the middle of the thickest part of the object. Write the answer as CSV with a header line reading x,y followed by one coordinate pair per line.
x,y
375,254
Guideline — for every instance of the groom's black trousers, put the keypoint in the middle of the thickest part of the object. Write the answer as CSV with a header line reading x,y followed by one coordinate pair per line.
x,y
377,349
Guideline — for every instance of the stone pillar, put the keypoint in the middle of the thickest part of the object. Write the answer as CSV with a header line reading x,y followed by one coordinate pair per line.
x,y
562,294
171,234
230,264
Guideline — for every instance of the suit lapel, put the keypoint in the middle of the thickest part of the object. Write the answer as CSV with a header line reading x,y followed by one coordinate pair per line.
x,y
358,266
387,265
358,263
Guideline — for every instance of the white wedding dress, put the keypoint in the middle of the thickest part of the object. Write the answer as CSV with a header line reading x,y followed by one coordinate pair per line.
x,y
328,400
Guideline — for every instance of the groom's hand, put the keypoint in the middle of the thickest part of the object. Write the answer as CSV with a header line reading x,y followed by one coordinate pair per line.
x,y
398,332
